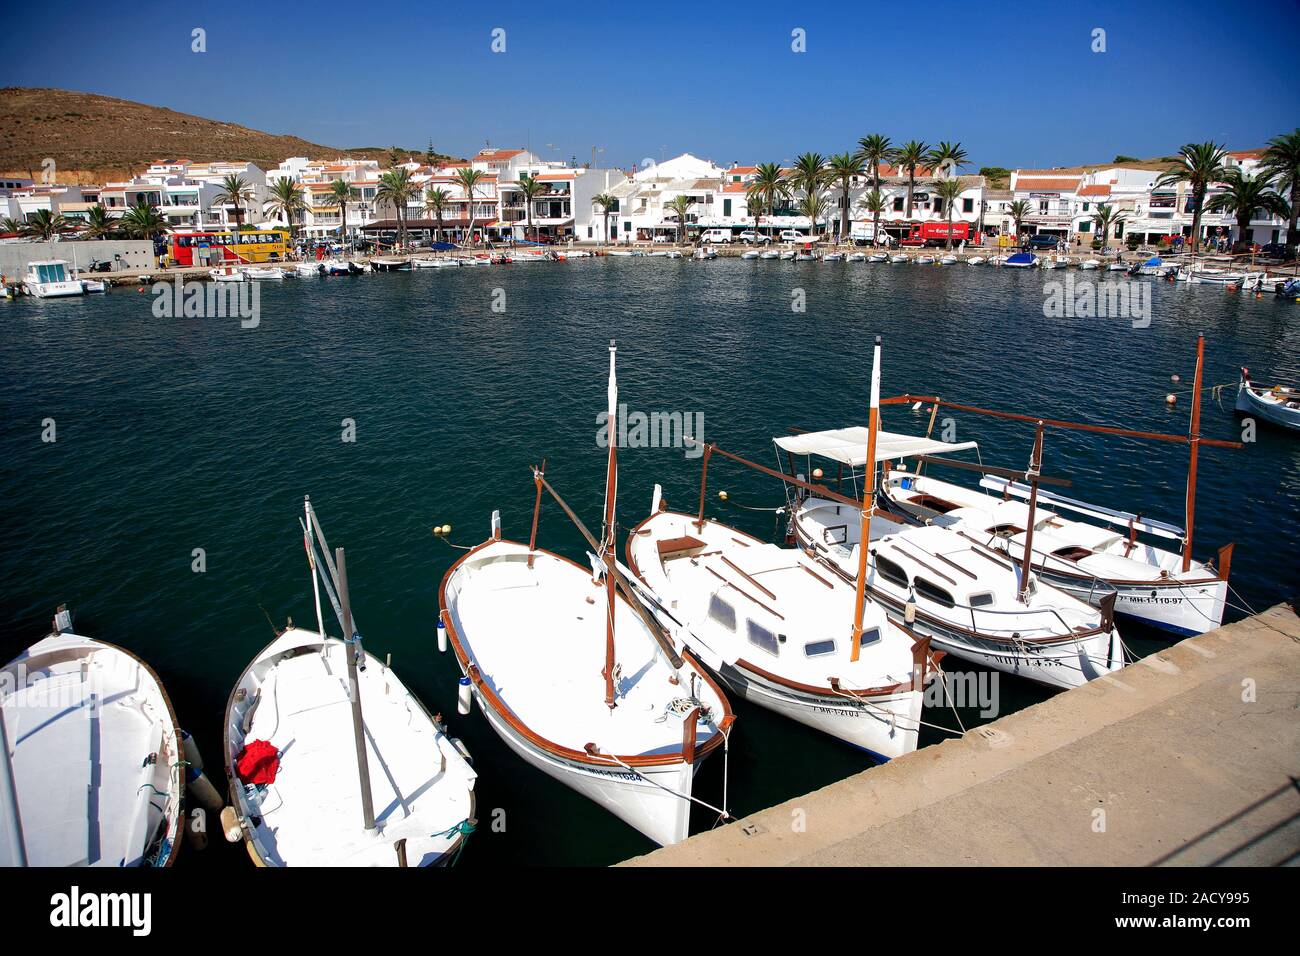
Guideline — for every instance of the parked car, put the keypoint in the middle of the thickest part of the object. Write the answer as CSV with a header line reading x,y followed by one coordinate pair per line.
x,y
716,235
1277,250
793,235
1041,242
749,237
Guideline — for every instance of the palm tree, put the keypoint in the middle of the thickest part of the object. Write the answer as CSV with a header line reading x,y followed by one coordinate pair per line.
x,y
844,169
875,203
1020,210
813,205
99,224
768,185
1242,196
1198,165
435,199
143,221
235,191
10,225
44,225
606,202
947,157
1106,219
467,177
531,187
949,190
809,174
1282,159
396,187
681,205
286,200
339,196
875,150
908,157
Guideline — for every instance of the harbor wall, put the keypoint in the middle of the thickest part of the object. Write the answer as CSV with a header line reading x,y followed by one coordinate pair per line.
x,y
1187,757
135,253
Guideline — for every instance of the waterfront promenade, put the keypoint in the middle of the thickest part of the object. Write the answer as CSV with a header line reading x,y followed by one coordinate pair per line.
x,y
1188,757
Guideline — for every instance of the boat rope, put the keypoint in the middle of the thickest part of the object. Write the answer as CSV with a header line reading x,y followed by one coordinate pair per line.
x,y
894,719
462,547
464,829
723,814
952,700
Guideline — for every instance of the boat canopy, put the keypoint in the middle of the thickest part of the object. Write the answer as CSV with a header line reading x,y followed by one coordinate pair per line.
x,y
849,445
1153,261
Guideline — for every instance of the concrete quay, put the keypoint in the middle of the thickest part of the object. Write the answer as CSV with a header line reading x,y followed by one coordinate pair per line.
x,y
1188,757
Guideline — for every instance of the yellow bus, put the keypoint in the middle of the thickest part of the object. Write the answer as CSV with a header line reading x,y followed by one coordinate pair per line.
x,y
227,246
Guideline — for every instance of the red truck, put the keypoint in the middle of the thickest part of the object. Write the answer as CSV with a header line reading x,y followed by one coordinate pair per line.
x,y
936,234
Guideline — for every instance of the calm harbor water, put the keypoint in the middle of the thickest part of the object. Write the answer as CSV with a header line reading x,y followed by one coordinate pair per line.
x,y
177,434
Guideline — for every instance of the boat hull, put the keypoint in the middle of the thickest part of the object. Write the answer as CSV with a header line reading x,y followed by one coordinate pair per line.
x,y
1252,404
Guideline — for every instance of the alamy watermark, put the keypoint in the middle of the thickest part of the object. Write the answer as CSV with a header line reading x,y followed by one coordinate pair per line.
x,y
1072,298
208,300
654,430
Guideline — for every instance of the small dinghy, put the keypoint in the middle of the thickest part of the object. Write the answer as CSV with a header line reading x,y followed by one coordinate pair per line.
x,y
340,267
263,274
228,274
1279,404
307,270
425,263
706,252
925,260
878,257
769,254
787,255
975,261
1054,262
751,254
833,257
857,257
390,265
1089,265
90,773
576,677
331,760
1021,260
947,260
1155,266
1117,267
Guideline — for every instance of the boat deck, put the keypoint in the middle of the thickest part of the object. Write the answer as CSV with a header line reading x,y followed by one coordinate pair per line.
x,y
538,638
311,815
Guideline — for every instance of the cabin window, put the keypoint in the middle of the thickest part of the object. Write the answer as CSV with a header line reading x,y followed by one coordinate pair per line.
x,y
891,572
1006,530
760,636
722,612
869,636
818,648
1072,553
933,592
984,599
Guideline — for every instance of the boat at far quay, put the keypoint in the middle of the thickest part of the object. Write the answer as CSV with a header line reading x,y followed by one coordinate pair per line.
x,y
49,279
1279,404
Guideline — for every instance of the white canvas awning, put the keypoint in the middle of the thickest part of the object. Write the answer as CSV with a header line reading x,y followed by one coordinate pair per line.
x,y
849,445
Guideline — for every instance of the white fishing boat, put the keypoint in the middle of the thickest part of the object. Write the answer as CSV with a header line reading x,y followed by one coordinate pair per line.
x,y
620,253
227,274
769,254
95,286
1089,265
90,757
309,269
971,602
1197,274
947,260
878,257
390,265
672,254
264,273
750,254
49,279
332,761
1279,404
833,257
899,258
998,260
1054,262
706,252
782,630
976,261
1086,549
576,677
925,260
1117,267
425,263
340,267
787,255
1020,260
857,257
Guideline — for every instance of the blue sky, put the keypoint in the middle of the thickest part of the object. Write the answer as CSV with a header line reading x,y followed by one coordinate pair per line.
x,y
1016,83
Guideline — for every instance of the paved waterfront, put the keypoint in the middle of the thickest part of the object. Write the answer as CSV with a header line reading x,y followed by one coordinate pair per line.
x,y
1170,762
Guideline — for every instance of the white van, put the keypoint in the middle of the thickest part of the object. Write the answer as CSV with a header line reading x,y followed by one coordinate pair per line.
x,y
716,235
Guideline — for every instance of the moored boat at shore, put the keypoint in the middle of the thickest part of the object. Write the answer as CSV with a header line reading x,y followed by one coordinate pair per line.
x,y
49,279
91,757
1279,404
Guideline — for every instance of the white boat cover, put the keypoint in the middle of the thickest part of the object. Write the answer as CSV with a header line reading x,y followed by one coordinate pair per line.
x,y
849,445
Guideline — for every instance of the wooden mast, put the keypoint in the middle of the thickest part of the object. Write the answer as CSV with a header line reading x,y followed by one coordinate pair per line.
x,y
352,648
607,552
1194,441
538,475
868,502
1035,467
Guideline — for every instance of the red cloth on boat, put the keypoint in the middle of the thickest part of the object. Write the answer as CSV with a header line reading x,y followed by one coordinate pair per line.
x,y
258,762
